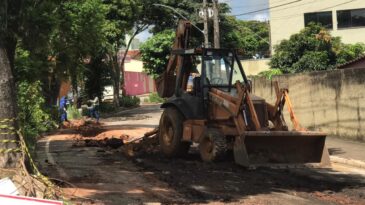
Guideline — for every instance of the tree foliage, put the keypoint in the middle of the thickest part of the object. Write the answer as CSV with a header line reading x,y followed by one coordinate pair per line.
x,y
250,36
32,114
313,49
350,52
155,52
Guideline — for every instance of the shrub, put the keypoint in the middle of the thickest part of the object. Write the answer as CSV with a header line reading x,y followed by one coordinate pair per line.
x,y
73,113
33,117
270,73
129,101
313,49
155,98
107,107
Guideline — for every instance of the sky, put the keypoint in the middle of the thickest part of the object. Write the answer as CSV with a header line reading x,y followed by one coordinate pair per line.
x,y
244,6
238,7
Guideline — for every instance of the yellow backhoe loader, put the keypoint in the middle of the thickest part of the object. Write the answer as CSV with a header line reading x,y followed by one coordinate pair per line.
x,y
210,103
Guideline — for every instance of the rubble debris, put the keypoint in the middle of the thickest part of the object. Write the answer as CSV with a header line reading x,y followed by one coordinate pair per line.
x,y
145,145
110,142
113,143
87,128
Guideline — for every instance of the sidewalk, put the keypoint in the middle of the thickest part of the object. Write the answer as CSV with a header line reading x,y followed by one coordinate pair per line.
x,y
345,148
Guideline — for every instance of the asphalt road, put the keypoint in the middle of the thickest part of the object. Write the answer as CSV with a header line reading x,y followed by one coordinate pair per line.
x,y
101,175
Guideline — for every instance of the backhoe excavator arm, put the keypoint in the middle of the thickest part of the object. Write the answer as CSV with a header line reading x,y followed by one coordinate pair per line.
x,y
166,82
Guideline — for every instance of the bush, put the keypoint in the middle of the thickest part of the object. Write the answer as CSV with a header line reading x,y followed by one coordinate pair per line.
x,y
107,107
154,98
270,73
313,49
33,117
129,101
73,113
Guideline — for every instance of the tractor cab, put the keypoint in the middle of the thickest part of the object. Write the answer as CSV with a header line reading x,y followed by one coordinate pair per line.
x,y
199,71
210,68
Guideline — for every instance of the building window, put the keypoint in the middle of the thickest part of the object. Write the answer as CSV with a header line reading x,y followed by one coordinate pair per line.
x,y
351,18
323,18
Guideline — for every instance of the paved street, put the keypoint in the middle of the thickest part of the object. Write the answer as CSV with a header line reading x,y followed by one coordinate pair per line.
x,y
346,148
106,176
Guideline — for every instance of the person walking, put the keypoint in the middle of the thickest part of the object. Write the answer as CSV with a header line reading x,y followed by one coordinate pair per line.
x,y
63,109
94,109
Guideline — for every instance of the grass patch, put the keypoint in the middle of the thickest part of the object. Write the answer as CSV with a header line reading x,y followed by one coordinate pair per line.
x,y
154,98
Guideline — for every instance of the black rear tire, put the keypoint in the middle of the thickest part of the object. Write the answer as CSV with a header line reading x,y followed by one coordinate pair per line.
x,y
171,132
213,145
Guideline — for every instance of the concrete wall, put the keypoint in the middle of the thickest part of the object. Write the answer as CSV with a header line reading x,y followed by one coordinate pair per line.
x,y
254,67
289,19
330,101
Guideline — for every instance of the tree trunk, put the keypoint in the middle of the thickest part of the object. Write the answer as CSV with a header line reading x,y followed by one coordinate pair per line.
x,y
75,95
10,46
74,82
8,157
116,79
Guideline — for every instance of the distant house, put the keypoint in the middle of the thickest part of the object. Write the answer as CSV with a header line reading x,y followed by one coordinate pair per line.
x,y
356,63
136,81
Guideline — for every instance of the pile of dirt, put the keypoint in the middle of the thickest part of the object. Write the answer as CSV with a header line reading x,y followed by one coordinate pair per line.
x,y
93,135
147,145
87,128
106,139
90,129
113,143
73,124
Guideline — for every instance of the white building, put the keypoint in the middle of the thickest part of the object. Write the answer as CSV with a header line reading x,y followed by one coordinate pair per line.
x,y
344,18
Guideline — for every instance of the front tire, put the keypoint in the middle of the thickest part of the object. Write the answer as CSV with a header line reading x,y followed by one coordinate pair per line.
x,y
171,132
213,145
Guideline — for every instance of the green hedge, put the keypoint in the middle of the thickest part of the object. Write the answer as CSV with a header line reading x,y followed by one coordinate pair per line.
x,y
129,101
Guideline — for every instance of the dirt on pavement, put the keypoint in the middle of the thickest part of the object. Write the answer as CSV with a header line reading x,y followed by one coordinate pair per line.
x,y
102,174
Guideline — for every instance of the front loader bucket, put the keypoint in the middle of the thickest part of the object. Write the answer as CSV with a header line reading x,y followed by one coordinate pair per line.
x,y
281,147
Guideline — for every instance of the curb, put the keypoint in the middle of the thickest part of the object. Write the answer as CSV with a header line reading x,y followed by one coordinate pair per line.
x,y
350,162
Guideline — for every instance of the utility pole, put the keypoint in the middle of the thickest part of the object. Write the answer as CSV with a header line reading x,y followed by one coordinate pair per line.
x,y
270,47
216,24
205,16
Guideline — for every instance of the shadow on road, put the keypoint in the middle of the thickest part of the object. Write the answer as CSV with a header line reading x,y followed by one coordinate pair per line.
x,y
336,151
152,177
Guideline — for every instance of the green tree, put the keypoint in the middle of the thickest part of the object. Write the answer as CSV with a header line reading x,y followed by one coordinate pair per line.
x,y
120,17
155,52
313,49
81,33
350,52
97,76
250,36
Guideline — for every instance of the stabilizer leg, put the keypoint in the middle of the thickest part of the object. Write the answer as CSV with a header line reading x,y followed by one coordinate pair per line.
x,y
240,152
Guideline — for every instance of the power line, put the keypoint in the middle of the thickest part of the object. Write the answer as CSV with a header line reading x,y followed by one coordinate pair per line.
x,y
295,15
297,5
179,14
257,5
265,9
